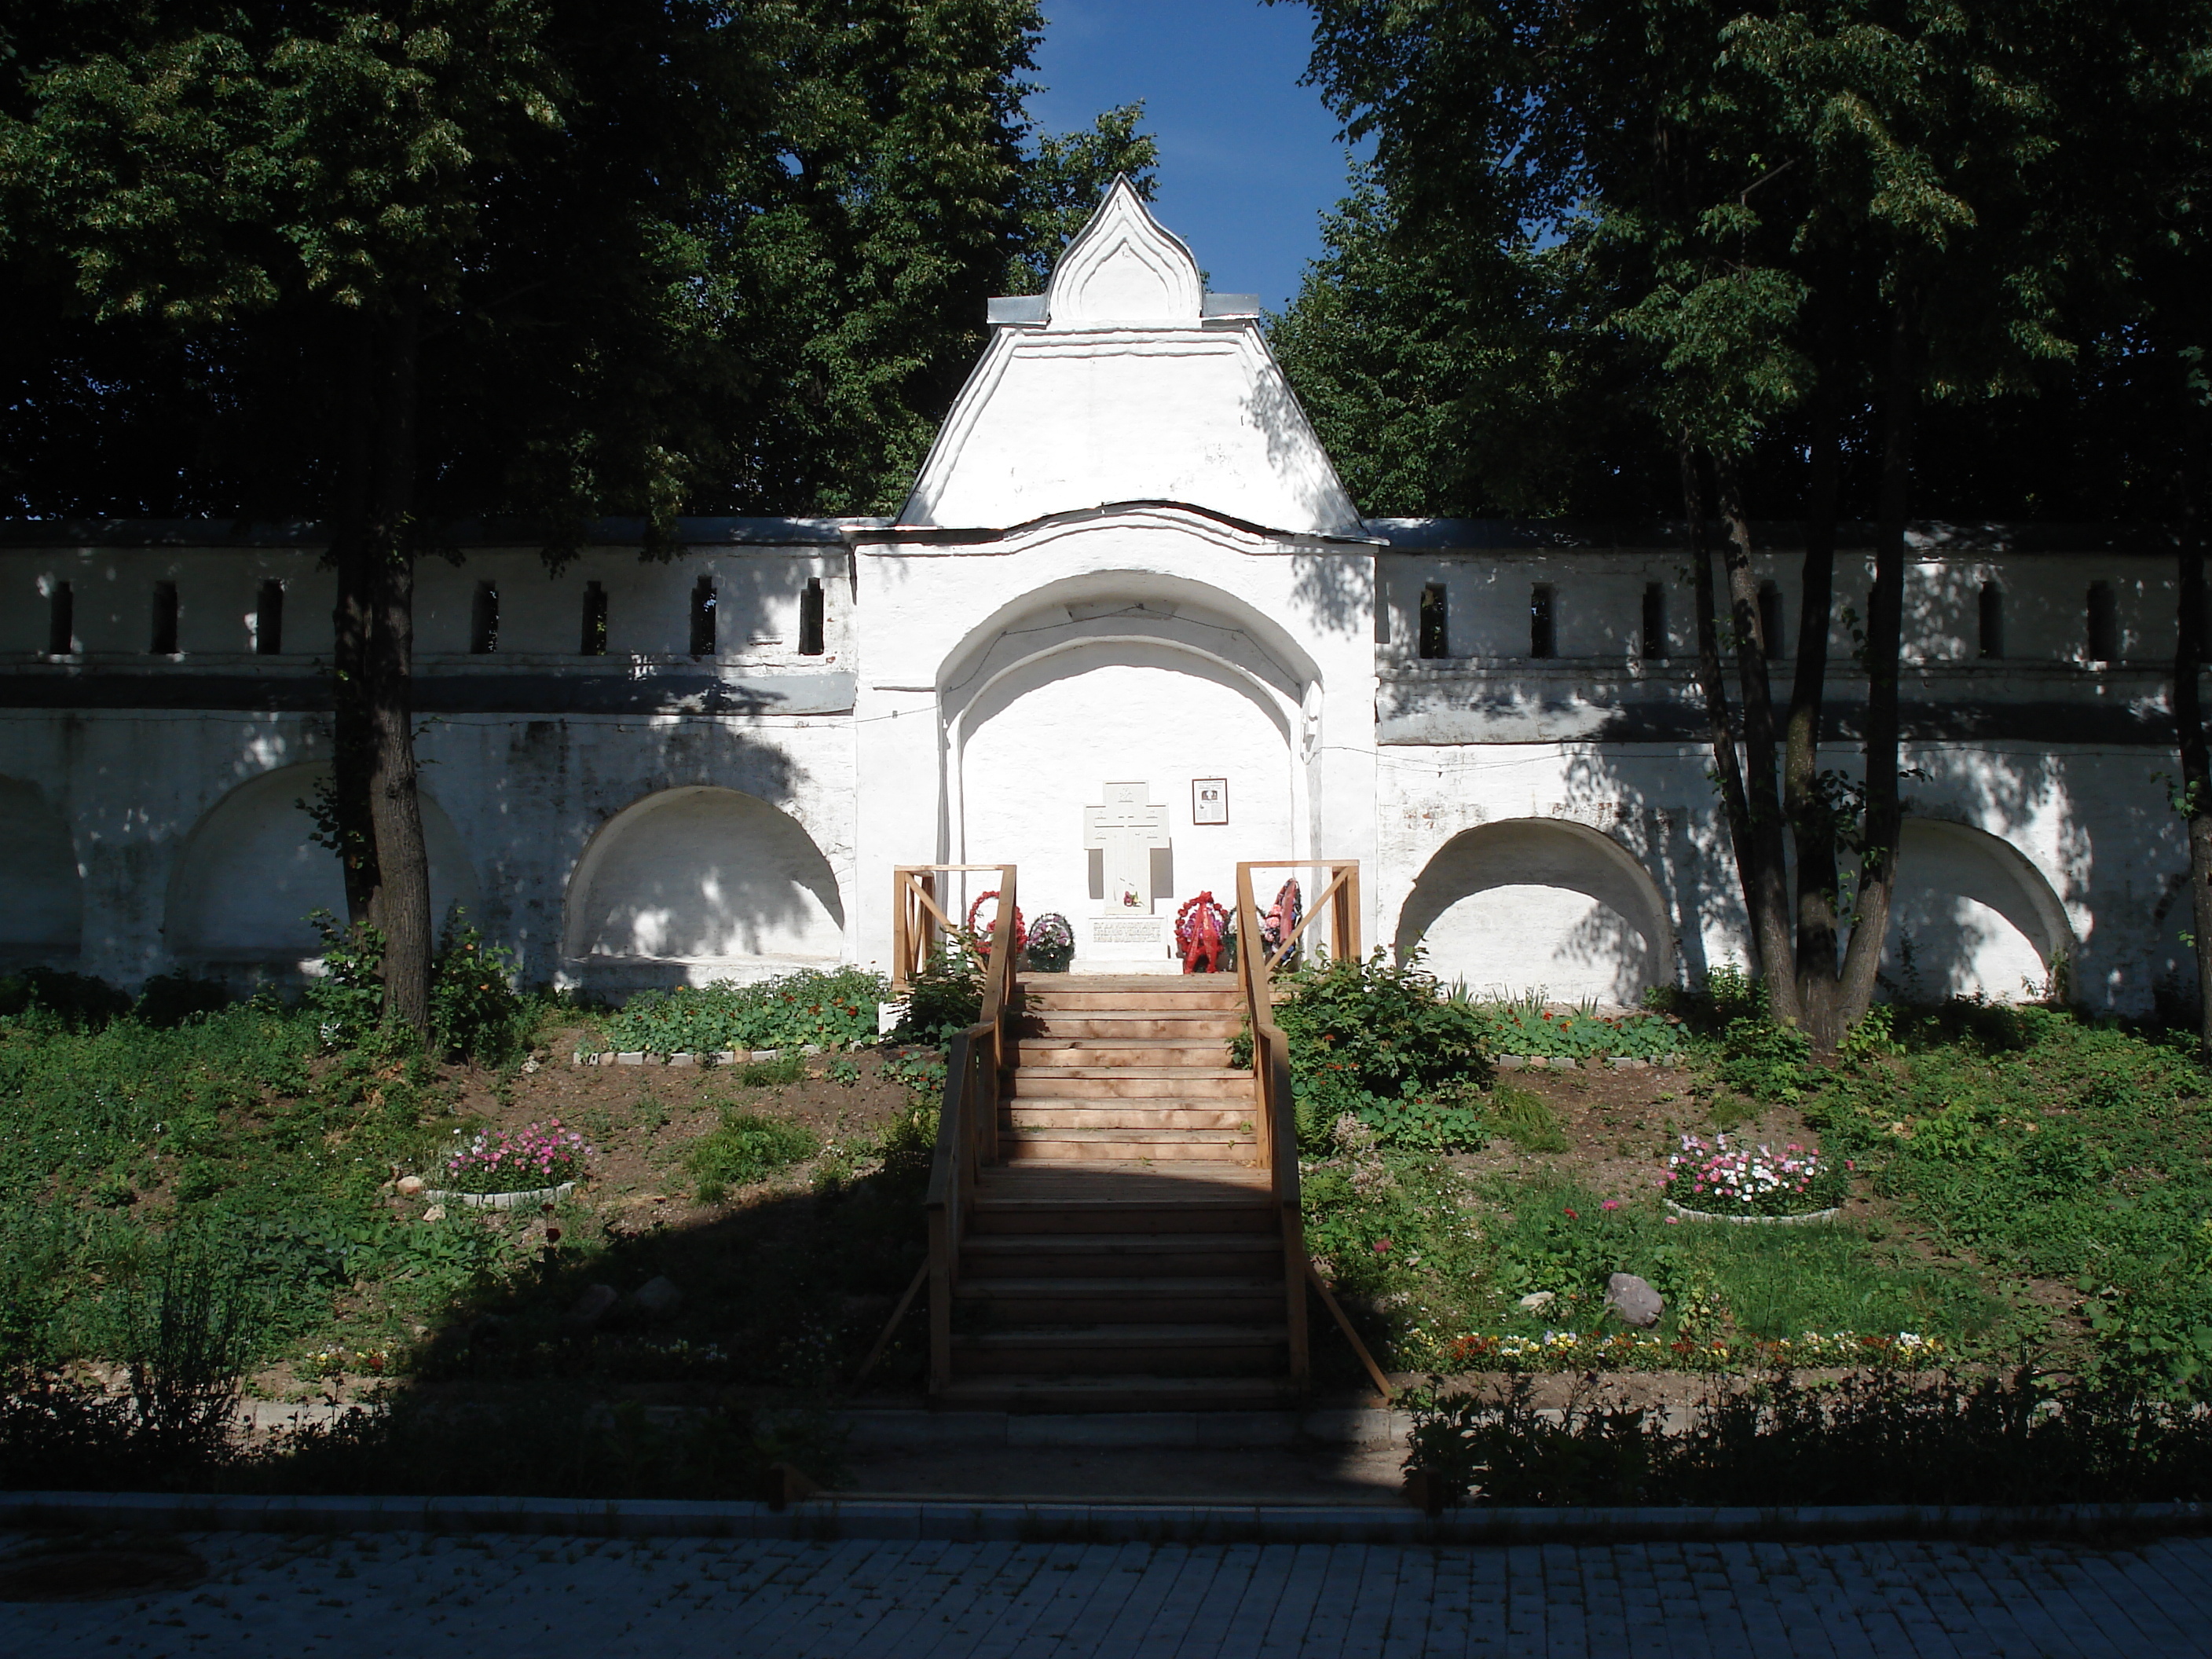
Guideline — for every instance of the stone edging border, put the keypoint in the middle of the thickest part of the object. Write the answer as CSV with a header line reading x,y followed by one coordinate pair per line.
x,y
1798,1220
1673,1062
720,1057
983,1520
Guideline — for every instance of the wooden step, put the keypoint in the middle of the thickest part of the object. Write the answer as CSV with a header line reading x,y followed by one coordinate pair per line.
x,y
1187,1299
1116,1350
1082,1146
1167,1082
995,1218
1164,1118
1007,1392
1120,1255
1037,1000
1051,1053
1125,1022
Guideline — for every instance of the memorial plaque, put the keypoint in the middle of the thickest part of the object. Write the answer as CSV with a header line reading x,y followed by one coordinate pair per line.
x,y
1209,800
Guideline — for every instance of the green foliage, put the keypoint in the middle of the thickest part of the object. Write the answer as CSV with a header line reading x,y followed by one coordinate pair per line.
x,y
475,1013
1381,1042
946,997
1887,1437
347,998
834,1010
1525,1026
746,1147
1766,1060
43,996
170,1000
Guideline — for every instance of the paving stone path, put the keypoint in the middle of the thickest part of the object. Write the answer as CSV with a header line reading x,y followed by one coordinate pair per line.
x,y
418,1594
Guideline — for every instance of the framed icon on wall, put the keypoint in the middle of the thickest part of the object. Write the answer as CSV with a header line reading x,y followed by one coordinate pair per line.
x,y
1209,800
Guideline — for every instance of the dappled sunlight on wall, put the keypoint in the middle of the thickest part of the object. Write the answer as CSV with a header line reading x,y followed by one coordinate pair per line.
x,y
1539,905
704,874
250,873
1972,917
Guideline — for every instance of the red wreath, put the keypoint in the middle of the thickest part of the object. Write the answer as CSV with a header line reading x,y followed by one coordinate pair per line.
x,y
1281,921
1201,927
982,938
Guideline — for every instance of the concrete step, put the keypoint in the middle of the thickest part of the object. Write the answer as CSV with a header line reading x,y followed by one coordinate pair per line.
x,y
1124,1023
1170,1082
1120,1255
1010,1392
1118,1350
1051,1053
1186,1300
1162,1118
1088,1145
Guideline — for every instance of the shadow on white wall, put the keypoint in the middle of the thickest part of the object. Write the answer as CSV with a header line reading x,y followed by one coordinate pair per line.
x,y
250,873
702,874
1539,904
1972,917
41,892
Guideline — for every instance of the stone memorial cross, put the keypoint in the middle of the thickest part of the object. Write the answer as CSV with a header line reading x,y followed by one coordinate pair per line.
x,y
1126,830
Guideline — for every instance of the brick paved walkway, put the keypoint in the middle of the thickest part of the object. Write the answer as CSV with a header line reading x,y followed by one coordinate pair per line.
x,y
414,1595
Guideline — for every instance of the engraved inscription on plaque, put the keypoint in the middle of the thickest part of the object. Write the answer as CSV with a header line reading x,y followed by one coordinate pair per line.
x,y
1129,930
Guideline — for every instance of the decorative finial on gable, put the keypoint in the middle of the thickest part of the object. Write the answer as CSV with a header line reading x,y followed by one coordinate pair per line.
x,y
1124,267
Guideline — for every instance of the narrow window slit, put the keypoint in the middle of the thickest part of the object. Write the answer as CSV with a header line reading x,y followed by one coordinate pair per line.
x,y
1655,619
595,621
161,636
2104,620
1992,620
483,620
1770,620
269,620
702,617
1435,622
810,618
61,620
1543,636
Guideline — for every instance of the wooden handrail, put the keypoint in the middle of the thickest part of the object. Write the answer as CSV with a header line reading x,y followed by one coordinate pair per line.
x,y
1277,1110
967,1122
919,922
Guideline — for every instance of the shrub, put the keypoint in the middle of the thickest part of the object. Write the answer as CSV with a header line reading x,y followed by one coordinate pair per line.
x,y
168,1001
746,1148
475,1013
75,1001
1525,1026
347,998
834,1010
1381,1040
945,998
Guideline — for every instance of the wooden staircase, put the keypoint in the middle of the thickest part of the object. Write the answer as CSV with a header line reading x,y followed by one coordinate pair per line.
x,y
1123,1252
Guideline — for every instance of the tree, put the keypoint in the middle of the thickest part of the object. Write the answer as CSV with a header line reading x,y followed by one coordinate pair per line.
x,y
1807,224
410,261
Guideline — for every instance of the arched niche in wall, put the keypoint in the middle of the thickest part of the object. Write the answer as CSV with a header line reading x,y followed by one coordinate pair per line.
x,y
1539,905
42,891
251,872
702,874
1039,744
1971,917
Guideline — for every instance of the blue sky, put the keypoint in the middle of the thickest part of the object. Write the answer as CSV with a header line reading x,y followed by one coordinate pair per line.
x,y
1248,158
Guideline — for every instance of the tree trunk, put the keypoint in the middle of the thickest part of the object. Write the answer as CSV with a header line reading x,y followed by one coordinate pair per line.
x,y
403,908
1805,802
354,629
1877,884
1766,888
2195,756
1728,771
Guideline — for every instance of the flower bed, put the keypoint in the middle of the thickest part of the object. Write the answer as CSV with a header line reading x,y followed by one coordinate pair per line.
x,y
1713,1178
807,1008
495,1162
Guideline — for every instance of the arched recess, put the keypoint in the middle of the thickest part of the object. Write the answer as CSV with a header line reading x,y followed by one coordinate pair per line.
x,y
706,876
1539,905
1038,745
41,890
1971,917
250,873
